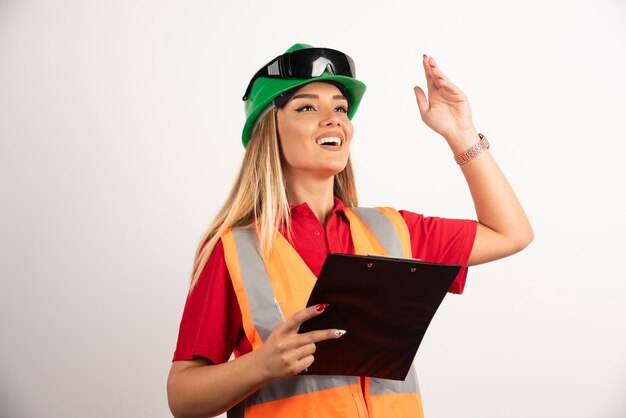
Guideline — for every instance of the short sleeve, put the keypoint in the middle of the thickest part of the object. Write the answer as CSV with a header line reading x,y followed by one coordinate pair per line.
x,y
442,240
211,324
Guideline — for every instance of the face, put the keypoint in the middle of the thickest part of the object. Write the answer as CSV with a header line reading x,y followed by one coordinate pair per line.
x,y
315,132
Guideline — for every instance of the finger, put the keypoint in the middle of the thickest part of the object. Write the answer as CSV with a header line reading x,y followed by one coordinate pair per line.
x,y
441,80
292,361
437,75
430,82
297,341
320,335
293,323
305,350
433,82
305,363
432,64
422,102
297,364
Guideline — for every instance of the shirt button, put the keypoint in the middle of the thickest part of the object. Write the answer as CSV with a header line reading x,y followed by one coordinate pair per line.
x,y
316,233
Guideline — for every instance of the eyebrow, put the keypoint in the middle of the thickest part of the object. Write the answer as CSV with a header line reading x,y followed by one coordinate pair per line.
x,y
315,96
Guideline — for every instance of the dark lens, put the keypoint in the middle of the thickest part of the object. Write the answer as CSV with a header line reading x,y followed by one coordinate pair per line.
x,y
305,63
312,62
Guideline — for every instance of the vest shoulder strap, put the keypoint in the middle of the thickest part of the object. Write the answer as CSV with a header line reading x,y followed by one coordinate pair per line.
x,y
389,227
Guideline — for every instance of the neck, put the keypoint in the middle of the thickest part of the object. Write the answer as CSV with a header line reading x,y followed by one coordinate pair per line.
x,y
317,193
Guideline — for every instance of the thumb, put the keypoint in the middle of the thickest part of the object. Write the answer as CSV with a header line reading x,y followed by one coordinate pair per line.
x,y
422,103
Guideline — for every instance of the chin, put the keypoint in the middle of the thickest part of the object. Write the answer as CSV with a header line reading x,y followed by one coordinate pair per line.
x,y
333,171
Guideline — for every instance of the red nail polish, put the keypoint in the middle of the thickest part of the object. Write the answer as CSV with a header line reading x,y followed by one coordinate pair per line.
x,y
321,307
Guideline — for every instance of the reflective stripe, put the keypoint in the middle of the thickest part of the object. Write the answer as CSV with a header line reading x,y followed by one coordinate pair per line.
x,y
364,240
385,386
382,228
256,282
401,229
297,385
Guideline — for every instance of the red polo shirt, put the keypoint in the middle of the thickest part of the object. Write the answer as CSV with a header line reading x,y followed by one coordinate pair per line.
x,y
211,325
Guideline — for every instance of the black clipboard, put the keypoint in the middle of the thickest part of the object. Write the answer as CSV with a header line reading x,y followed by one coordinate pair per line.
x,y
384,303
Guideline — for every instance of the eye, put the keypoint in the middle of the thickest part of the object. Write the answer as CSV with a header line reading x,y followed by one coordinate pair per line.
x,y
342,109
305,108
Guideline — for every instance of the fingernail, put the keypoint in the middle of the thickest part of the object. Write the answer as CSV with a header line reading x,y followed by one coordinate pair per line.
x,y
321,307
424,55
340,332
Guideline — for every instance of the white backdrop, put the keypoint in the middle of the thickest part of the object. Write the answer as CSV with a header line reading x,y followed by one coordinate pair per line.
x,y
119,139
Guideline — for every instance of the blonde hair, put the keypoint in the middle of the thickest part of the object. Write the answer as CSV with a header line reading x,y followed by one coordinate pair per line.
x,y
259,195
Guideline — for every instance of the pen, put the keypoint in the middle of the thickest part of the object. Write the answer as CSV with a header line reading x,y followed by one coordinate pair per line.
x,y
282,318
280,312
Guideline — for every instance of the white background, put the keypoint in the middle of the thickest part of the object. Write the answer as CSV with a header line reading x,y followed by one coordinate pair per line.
x,y
120,131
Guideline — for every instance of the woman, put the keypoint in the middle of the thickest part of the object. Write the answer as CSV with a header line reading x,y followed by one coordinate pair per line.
x,y
295,191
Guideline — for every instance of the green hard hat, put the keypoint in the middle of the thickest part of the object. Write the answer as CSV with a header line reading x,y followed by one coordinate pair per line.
x,y
265,90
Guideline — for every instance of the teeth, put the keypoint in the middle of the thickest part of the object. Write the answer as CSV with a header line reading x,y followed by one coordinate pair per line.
x,y
331,140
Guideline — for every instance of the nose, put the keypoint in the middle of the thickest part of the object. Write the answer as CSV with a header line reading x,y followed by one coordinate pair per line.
x,y
330,118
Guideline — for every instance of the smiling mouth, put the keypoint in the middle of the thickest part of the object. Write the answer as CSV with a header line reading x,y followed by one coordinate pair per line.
x,y
331,141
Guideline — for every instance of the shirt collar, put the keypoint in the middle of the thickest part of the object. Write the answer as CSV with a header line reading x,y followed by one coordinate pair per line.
x,y
304,207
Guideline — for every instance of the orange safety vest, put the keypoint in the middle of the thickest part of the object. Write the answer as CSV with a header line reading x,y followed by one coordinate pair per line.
x,y
257,282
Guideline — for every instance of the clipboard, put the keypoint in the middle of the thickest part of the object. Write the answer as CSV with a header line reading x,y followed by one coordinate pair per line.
x,y
384,303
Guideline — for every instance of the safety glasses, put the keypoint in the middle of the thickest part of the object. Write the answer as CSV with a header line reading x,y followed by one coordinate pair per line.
x,y
305,63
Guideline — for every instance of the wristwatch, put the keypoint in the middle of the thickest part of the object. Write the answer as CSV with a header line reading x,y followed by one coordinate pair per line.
x,y
472,152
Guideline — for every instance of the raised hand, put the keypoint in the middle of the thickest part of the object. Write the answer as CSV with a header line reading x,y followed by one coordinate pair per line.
x,y
447,110
287,353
